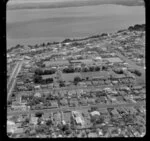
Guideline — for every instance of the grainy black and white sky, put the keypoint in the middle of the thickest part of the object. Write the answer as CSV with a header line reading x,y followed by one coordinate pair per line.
x,y
20,4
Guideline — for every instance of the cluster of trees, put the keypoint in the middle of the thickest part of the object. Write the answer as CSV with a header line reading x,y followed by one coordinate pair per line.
x,y
76,44
61,83
128,118
66,41
98,36
97,120
118,71
38,80
42,45
35,100
46,128
39,114
68,70
86,38
136,72
42,129
137,27
27,97
44,72
84,69
18,46
77,79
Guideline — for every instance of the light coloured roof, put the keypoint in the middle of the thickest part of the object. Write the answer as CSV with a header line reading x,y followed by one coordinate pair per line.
x,y
79,120
10,122
95,113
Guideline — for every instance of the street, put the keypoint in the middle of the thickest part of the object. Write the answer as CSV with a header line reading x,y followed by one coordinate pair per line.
x,y
101,106
12,79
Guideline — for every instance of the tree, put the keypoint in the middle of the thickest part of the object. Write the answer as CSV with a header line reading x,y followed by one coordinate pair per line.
x,y
91,68
97,68
104,34
137,72
27,120
32,132
39,114
100,120
85,69
77,69
68,132
37,78
9,102
94,108
38,71
104,68
66,40
60,126
41,129
61,84
65,127
77,79
118,71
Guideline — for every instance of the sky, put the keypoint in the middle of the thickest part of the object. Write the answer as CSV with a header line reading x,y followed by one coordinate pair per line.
x,y
25,4
26,1
32,1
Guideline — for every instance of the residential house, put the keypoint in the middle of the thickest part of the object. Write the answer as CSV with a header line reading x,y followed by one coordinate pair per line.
x,y
64,102
95,113
78,118
91,101
83,101
54,104
33,120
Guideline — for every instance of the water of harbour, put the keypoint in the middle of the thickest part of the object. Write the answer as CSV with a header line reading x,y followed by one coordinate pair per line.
x,y
31,26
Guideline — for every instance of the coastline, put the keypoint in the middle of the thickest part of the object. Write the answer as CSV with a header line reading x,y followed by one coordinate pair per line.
x,y
47,40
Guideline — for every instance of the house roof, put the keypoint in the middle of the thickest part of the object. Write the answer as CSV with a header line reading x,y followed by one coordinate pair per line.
x,y
79,120
103,111
95,113
10,122
34,120
37,94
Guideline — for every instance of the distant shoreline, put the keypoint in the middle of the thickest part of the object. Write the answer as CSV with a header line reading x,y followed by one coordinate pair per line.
x,y
136,27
